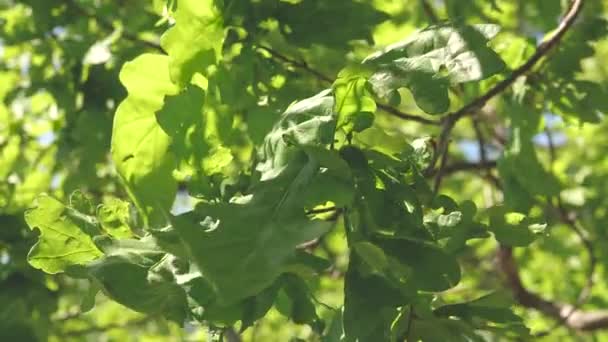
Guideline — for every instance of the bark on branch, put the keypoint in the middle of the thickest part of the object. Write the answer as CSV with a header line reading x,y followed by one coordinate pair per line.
x,y
449,121
322,77
541,51
571,317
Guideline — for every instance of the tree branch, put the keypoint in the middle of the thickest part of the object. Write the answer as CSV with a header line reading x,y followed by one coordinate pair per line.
x,y
295,63
406,116
319,75
481,142
541,51
567,315
450,120
571,316
572,223
107,25
442,164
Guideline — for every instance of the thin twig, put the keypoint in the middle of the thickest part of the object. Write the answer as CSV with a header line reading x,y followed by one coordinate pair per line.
x,y
552,150
410,117
572,223
575,319
107,25
480,140
442,164
541,51
298,64
481,144
322,77
450,120
442,149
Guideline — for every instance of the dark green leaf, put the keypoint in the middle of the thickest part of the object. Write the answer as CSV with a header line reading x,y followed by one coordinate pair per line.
x,y
430,60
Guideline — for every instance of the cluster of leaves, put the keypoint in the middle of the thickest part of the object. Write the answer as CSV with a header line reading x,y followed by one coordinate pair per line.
x,y
215,113
228,258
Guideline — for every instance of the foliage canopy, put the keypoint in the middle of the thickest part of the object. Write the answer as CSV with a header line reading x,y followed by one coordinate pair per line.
x,y
189,170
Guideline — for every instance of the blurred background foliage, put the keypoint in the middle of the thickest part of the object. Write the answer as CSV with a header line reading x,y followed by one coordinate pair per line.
x,y
59,85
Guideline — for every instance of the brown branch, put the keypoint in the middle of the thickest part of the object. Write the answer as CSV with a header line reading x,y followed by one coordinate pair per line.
x,y
571,316
572,223
567,315
442,149
395,112
450,120
480,140
541,51
298,64
322,77
442,164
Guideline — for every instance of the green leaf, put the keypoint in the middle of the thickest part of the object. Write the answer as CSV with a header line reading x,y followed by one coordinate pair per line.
x,y
354,103
348,20
81,202
231,254
256,307
195,139
335,330
372,255
519,167
128,283
196,39
88,301
583,100
370,305
494,307
144,251
571,52
432,268
307,265
385,202
140,148
64,236
114,216
310,122
454,225
512,228
430,60
182,119
442,329
301,308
